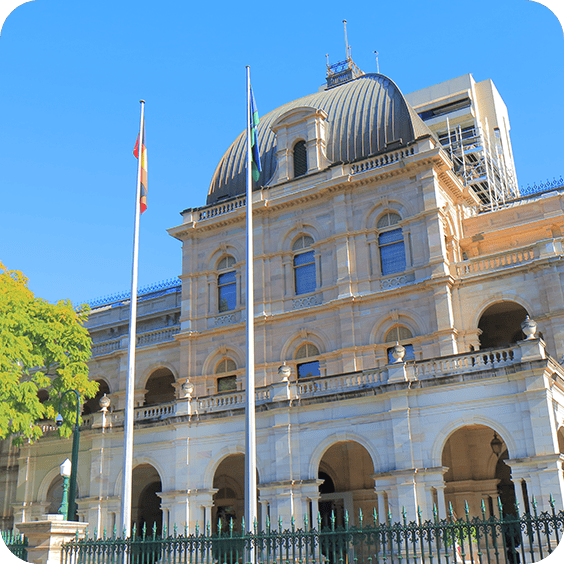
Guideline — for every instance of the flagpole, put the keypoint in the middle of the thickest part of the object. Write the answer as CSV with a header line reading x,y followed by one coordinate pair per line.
x,y
250,425
130,386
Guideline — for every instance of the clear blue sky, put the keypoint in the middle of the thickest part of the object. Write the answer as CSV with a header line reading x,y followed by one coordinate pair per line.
x,y
72,74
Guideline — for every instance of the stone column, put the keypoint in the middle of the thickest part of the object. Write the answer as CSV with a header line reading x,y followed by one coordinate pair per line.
x,y
543,475
45,537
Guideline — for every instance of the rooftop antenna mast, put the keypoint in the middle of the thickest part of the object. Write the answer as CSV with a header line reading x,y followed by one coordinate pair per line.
x,y
348,49
377,64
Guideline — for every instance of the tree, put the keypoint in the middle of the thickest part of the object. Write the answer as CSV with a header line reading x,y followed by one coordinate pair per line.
x,y
42,346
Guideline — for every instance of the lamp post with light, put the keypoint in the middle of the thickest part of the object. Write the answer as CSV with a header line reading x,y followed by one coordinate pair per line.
x,y
65,471
74,457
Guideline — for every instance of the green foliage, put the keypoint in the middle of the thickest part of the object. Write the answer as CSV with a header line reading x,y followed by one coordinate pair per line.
x,y
42,346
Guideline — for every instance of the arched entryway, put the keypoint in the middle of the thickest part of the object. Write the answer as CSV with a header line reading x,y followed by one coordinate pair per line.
x,y
347,470
160,387
229,500
500,324
475,457
146,504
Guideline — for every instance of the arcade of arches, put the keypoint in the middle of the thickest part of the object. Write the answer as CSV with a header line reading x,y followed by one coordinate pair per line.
x,y
346,483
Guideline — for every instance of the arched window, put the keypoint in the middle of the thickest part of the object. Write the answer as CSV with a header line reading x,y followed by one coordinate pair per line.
x,y
309,368
391,244
304,265
226,285
226,383
400,334
300,159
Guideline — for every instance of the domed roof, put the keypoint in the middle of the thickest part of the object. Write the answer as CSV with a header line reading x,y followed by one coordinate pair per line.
x,y
364,115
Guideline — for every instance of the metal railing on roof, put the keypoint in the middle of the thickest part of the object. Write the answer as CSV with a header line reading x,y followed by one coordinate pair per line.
x,y
145,292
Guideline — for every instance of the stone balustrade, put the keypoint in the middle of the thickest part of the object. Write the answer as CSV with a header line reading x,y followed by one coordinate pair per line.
x,y
222,208
143,339
459,364
230,400
494,262
383,160
342,383
467,362
157,336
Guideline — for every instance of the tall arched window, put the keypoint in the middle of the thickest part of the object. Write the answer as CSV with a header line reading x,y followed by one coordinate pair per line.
x,y
226,383
226,285
308,368
304,265
391,244
300,159
400,334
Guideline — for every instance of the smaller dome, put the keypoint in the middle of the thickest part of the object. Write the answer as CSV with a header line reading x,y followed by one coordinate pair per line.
x,y
364,116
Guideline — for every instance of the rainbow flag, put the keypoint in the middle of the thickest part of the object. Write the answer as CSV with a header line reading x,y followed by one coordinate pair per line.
x,y
143,200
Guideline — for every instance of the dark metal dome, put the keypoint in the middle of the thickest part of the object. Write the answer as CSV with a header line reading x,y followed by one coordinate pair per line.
x,y
365,115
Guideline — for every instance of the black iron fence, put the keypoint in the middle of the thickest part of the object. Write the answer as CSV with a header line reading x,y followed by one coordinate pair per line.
x,y
504,539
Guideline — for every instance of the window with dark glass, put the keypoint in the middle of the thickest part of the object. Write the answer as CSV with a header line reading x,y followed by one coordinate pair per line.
x,y
308,368
226,286
300,159
391,244
304,265
226,383
399,334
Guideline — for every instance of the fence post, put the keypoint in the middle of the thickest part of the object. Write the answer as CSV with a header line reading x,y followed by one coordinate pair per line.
x,y
45,537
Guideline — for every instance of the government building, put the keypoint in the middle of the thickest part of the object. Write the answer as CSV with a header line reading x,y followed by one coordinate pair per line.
x,y
409,322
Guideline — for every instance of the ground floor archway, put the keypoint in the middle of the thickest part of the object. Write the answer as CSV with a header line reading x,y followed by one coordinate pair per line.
x,y
475,457
145,503
347,470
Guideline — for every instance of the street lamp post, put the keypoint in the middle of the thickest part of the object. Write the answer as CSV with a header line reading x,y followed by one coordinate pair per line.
x,y
74,457
65,472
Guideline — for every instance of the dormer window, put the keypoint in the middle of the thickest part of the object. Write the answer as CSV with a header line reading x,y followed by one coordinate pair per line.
x,y
301,143
300,159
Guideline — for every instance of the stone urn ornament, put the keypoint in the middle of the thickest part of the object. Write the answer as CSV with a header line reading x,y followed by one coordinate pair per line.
x,y
105,402
284,372
187,389
529,328
398,352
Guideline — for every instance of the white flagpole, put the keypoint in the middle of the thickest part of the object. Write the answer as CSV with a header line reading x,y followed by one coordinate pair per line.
x,y
130,387
250,425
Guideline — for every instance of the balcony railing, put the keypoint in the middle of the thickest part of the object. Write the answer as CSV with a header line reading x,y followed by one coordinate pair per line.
x,y
488,360
143,339
495,261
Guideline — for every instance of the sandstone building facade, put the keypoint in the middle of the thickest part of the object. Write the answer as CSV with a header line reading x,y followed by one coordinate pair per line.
x,y
392,369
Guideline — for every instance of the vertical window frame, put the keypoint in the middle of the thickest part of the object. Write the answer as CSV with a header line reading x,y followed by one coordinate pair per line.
x,y
304,266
